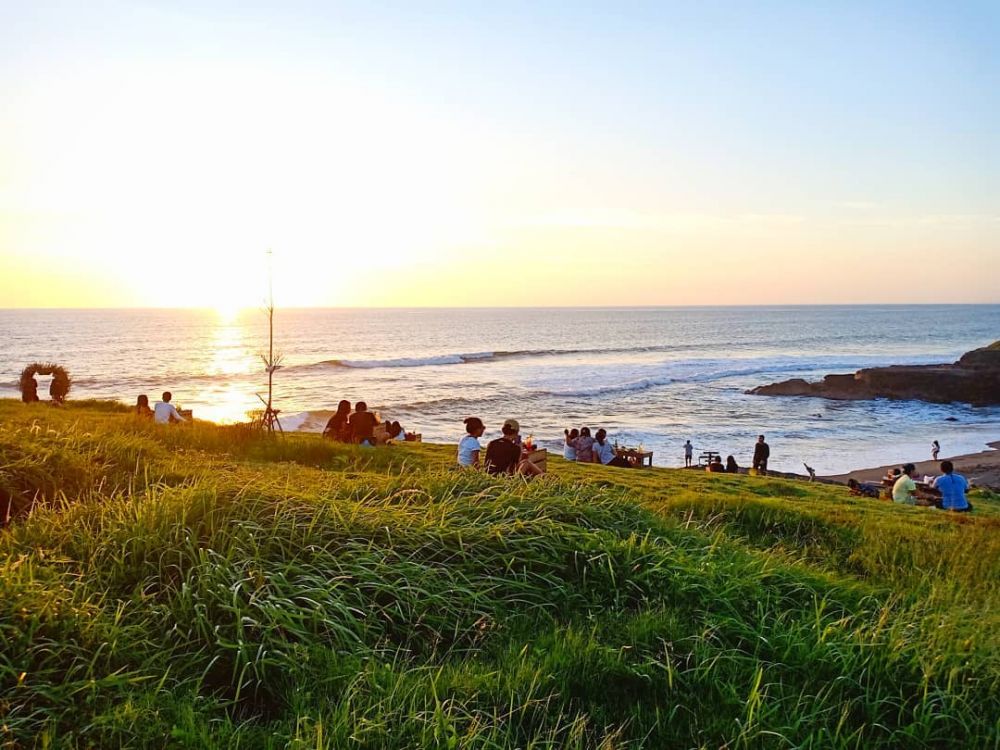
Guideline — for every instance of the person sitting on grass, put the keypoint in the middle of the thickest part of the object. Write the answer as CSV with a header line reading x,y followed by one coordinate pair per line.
x,y
504,455
164,411
731,466
952,487
569,449
142,407
396,432
584,446
716,466
336,428
862,490
904,490
468,446
362,425
604,452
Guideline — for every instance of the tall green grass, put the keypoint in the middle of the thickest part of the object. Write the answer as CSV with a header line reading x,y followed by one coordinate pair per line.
x,y
206,587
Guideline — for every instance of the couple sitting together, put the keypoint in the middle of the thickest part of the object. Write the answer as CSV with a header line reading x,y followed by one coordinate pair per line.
x,y
163,412
505,455
581,447
359,427
946,492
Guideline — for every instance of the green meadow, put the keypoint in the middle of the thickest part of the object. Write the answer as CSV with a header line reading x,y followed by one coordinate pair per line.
x,y
202,586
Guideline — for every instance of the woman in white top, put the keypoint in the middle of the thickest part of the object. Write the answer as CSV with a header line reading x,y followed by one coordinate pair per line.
x,y
468,446
604,452
569,450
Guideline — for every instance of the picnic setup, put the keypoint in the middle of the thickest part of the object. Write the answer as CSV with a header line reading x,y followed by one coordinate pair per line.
x,y
636,457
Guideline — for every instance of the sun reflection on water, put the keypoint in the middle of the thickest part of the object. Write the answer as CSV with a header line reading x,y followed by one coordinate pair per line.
x,y
229,394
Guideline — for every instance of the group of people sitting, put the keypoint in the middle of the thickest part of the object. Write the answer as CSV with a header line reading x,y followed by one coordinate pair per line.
x,y
358,426
507,454
716,466
162,412
945,492
579,446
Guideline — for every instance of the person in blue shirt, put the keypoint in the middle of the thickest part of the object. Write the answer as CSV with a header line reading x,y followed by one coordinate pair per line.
x,y
952,487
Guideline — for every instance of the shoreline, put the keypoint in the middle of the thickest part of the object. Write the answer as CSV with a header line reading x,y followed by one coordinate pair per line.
x,y
981,469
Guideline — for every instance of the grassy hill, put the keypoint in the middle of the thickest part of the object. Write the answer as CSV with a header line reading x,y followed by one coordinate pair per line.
x,y
203,587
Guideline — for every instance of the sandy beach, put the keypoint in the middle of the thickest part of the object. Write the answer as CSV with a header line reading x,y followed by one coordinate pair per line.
x,y
982,469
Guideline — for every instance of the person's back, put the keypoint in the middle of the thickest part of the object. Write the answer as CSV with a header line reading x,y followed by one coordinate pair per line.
x,y
336,427
142,407
761,451
731,466
952,487
164,411
584,446
569,447
604,451
502,456
362,424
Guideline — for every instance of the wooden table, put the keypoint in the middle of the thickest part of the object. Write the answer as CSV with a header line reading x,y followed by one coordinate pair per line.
x,y
708,456
636,457
539,457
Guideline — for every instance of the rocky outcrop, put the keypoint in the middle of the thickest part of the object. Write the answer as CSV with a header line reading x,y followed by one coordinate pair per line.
x,y
974,379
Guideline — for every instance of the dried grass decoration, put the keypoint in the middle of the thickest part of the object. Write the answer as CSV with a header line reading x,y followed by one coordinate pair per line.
x,y
58,388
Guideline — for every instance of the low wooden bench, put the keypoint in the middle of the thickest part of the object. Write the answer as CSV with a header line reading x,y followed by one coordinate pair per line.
x,y
539,457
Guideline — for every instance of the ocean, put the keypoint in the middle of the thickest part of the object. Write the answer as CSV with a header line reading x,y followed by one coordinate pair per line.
x,y
650,376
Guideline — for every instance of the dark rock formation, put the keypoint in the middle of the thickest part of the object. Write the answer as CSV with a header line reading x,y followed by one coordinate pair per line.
x,y
974,379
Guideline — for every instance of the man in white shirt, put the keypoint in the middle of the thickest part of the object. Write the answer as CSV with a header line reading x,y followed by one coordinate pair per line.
x,y
164,411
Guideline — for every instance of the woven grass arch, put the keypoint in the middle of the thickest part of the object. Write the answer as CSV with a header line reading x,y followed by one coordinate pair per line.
x,y
58,388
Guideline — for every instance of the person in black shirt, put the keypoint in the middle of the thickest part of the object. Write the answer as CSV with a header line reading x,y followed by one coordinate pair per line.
x,y
761,452
362,424
731,466
503,455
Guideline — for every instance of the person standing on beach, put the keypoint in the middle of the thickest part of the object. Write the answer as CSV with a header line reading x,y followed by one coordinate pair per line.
x,y
761,452
688,453
935,449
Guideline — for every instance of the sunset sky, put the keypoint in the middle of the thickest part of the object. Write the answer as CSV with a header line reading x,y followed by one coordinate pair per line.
x,y
509,153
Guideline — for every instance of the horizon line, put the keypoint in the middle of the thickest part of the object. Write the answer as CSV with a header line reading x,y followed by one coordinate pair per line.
x,y
199,308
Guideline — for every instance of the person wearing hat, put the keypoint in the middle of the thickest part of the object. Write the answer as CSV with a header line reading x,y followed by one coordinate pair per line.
x,y
503,455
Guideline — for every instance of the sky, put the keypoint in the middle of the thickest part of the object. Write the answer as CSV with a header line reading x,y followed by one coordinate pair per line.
x,y
490,154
